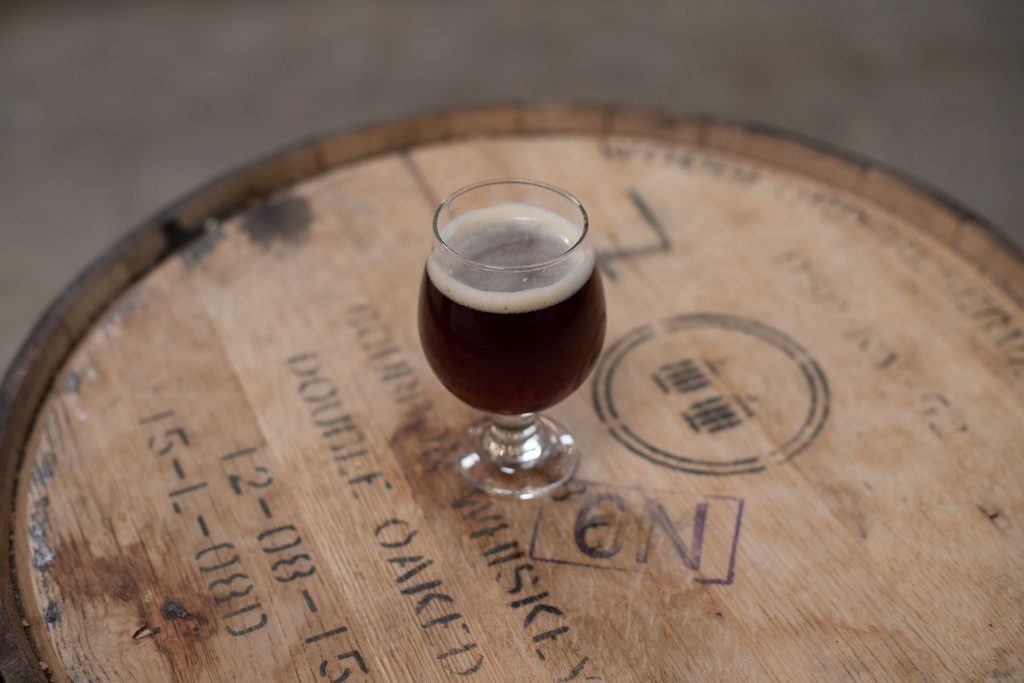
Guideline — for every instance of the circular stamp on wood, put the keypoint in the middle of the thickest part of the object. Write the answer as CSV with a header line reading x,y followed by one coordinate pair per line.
x,y
741,394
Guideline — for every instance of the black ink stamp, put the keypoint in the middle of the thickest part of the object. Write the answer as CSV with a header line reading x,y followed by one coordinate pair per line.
x,y
660,244
681,377
713,414
716,385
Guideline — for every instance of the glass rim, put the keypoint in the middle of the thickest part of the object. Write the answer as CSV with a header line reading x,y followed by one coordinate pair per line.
x,y
585,224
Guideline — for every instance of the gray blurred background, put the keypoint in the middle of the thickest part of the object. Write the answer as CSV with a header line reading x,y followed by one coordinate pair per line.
x,y
109,110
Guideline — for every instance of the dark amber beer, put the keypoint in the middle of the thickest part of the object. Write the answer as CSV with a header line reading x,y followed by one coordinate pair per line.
x,y
517,362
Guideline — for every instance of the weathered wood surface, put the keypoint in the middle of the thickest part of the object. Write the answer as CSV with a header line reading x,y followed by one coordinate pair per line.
x,y
802,445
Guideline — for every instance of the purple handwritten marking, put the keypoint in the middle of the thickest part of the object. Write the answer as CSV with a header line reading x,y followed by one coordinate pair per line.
x,y
692,561
731,572
532,552
585,521
655,512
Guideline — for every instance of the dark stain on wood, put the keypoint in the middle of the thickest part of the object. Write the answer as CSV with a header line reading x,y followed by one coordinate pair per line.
x,y
193,253
184,629
52,441
283,220
38,527
175,610
121,579
72,382
42,470
180,641
53,612
176,626
176,236
87,576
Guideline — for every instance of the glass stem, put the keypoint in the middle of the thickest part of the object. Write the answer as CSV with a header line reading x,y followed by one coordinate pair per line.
x,y
511,440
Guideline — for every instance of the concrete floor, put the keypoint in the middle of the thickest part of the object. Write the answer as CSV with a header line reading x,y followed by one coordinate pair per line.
x,y
108,110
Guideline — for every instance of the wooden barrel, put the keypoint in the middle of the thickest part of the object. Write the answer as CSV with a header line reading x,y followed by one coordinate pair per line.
x,y
227,458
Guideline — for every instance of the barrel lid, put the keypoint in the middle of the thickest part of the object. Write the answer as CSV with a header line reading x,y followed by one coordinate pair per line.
x,y
227,457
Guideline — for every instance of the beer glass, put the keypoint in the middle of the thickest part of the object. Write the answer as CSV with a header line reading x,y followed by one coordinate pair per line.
x,y
511,319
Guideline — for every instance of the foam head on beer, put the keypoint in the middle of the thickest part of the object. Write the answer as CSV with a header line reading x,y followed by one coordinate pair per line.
x,y
510,258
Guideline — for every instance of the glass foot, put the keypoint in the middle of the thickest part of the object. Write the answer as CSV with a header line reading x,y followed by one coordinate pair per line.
x,y
520,456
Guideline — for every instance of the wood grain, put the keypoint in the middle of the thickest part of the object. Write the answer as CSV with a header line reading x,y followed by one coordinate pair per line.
x,y
802,444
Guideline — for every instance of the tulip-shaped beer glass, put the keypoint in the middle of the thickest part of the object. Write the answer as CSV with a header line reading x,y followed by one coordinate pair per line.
x,y
512,319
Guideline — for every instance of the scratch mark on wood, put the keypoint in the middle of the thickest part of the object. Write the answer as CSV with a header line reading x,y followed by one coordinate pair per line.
x,y
145,631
